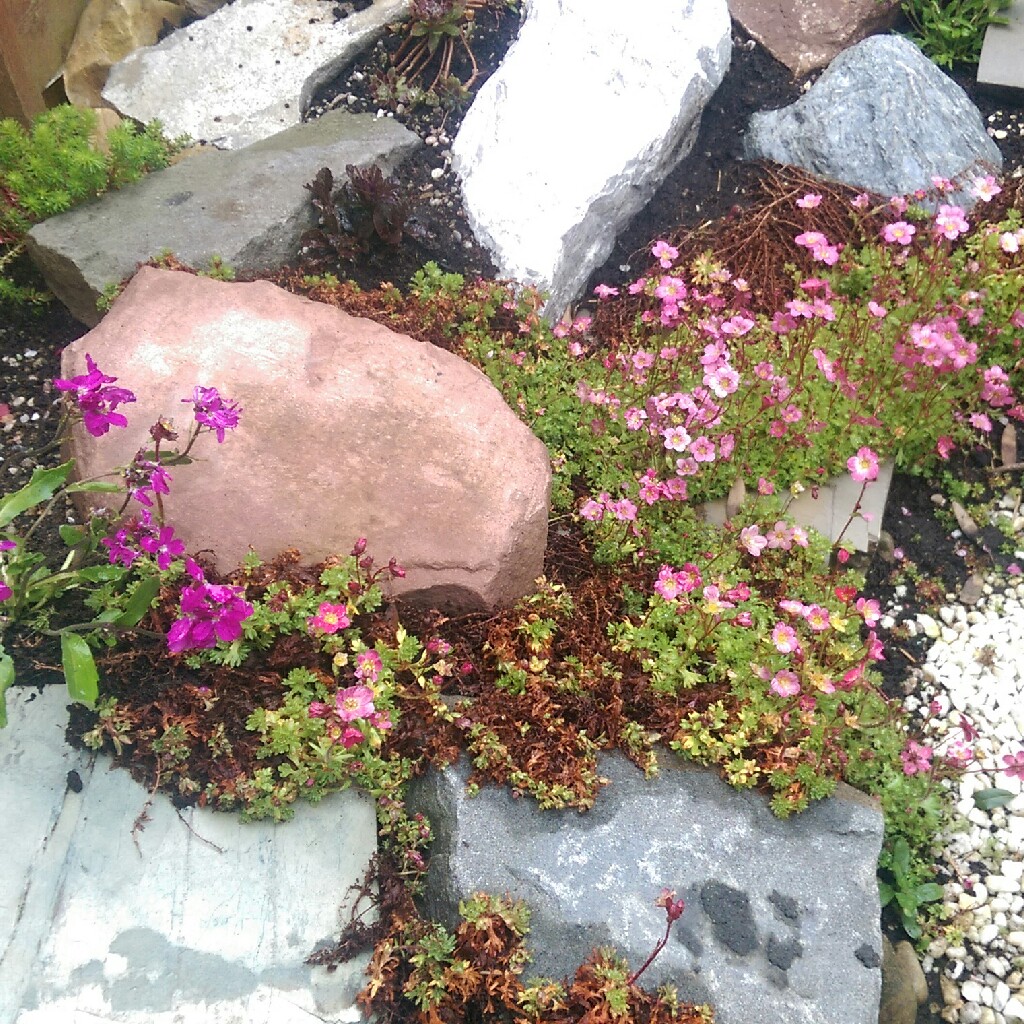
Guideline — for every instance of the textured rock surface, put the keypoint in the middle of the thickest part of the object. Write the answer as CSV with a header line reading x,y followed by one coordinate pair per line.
x,y
108,31
883,118
249,208
348,430
904,986
781,920
199,918
247,71
808,35
637,84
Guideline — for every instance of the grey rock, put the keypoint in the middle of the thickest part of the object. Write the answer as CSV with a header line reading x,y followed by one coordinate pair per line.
x,y
638,83
249,207
246,72
1000,62
882,118
780,915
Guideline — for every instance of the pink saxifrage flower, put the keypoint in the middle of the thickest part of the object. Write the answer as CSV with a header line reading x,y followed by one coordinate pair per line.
x,y
916,758
329,618
753,540
863,466
899,232
785,683
354,702
785,639
809,201
368,666
664,253
1014,765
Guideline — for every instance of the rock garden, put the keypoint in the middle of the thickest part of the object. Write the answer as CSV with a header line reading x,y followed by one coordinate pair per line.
x,y
511,512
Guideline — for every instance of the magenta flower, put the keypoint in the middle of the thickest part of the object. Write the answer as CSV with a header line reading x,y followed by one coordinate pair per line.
x,y
96,401
863,466
120,548
162,545
817,618
603,291
5,592
213,411
209,613
354,702
329,618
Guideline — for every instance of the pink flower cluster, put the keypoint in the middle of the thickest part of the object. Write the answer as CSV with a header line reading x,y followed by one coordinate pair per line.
x,y
352,704
144,535
937,344
820,248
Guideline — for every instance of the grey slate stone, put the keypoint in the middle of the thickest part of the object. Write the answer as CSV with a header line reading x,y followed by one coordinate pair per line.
x,y
200,919
247,206
1001,52
778,913
882,118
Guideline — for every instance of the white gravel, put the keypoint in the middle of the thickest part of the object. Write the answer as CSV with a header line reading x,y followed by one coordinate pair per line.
x,y
975,669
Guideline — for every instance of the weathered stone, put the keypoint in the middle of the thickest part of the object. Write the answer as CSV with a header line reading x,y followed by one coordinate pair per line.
x,y
197,917
883,118
806,36
247,71
201,8
1000,62
248,207
108,31
781,919
904,987
639,84
348,430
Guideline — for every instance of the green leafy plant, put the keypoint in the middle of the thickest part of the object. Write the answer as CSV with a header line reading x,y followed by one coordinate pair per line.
x,y
55,165
903,886
952,31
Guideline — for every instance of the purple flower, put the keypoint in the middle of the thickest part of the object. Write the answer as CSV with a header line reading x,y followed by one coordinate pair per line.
x,y
5,591
163,545
212,411
120,549
209,613
8,545
95,400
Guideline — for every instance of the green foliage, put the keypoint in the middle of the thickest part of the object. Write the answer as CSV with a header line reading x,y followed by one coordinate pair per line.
x,y
55,165
903,887
952,31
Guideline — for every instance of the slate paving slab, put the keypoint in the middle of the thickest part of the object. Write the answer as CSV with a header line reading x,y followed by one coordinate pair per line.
x,y
200,919
1001,53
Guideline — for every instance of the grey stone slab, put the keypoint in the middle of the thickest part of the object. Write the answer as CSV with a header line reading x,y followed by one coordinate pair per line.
x,y
1002,53
201,919
246,72
248,206
781,919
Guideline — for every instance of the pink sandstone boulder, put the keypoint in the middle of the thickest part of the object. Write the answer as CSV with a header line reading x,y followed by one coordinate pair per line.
x,y
348,430
807,35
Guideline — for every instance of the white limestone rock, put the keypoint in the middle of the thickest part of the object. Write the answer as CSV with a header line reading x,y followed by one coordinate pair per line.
x,y
548,199
246,72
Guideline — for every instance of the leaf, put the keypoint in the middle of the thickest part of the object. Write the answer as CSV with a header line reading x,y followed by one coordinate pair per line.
x,y
929,892
71,535
102,573
988,799
79,669
910,925
6,679
42,487
900,858
1008,445
95,486
141,600
885,893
